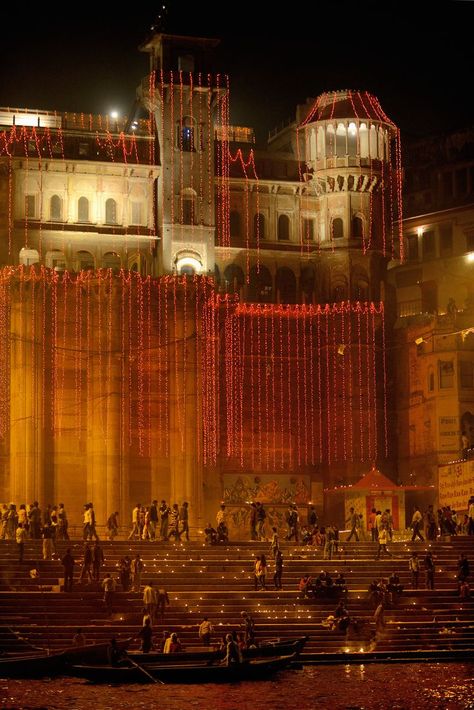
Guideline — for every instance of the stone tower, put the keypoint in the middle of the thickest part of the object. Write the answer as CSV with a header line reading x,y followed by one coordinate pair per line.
x,y
186,102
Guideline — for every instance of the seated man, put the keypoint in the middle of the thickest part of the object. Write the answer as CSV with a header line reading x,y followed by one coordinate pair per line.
x,y
394,585
211,534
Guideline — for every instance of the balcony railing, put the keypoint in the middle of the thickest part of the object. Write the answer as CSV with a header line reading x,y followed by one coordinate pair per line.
x,y
410,308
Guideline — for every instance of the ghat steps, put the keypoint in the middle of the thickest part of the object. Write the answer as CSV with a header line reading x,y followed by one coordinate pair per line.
x,y
218,582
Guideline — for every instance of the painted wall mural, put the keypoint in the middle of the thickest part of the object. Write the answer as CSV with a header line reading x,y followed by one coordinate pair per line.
x,y
275,492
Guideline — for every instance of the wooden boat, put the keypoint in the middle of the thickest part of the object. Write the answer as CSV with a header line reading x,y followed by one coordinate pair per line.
x,y
38,665
252,669
92,653
266,649
32,666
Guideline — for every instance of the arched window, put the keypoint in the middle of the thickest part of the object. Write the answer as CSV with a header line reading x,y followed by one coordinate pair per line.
x,y
188,198
341,140
364,140
110,211
283,228
84,261
381,142
357,228
28,257
260,285
312,145
330,141
111,260
337,228
320,142
352,140
188,262
285,284
235,224
186,134
308,283
234,278
83,209
360,284
373,142
339,288
55,209
56,260
259,226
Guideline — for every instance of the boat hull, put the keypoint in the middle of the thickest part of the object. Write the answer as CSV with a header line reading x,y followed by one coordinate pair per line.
x,y
265,650
258,669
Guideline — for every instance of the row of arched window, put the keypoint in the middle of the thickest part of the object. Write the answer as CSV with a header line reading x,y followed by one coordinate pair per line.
x,y
284,228
341,140
80,261
56,210
284,287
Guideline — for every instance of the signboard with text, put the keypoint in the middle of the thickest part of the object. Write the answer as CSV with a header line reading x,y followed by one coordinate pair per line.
x,y
456,484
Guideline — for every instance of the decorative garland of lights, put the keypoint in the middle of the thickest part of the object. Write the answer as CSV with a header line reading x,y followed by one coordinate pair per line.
x,y
274,387
309,352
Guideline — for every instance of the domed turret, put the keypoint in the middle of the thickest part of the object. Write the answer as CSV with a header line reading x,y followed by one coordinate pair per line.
x,y
351,150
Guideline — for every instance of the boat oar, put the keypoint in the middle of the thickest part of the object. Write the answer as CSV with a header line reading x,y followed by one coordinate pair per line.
x,y
144,671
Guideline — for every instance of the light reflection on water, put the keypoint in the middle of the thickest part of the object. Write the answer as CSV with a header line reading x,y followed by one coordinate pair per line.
x,y
434,686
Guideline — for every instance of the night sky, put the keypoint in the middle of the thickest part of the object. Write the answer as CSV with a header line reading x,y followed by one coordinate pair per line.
x,y
417,58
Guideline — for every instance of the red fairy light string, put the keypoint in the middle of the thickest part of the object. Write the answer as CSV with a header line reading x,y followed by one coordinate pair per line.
x,y
140,365
200,150
290,403
334,382
252,389
368,378
350,388
273,400
282,431
172,144
208,213
181,159
311,386
266,391
384,370
193,149
374,379
328,386
185,356
131,358
298,381
343,373
361,425
259,383
148,363
319,352
159,357
229,372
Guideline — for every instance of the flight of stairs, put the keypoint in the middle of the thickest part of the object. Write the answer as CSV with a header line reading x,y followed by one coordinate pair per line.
x,y
218,582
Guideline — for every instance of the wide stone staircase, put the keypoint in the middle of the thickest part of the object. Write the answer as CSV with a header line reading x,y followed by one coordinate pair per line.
x,y
217,582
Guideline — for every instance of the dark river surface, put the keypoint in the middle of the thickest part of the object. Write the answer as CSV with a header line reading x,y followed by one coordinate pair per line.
x,y
433,686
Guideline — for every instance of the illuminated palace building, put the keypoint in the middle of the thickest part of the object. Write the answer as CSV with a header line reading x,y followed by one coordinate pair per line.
x,y
185,316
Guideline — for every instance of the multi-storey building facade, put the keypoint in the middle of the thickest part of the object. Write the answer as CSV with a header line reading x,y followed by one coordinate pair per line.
x,y
186,315
434,289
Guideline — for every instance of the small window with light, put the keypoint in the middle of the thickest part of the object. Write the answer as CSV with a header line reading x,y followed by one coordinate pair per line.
x,y
186,135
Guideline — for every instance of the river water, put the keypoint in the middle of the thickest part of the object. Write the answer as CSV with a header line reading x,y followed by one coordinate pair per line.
x,y
433,686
